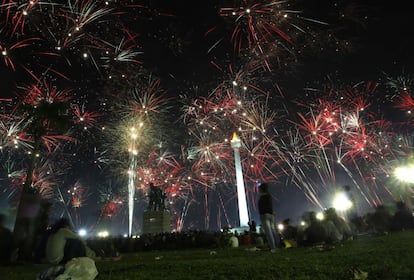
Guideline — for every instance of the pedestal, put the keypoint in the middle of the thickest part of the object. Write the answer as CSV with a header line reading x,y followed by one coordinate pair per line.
x,y
156,222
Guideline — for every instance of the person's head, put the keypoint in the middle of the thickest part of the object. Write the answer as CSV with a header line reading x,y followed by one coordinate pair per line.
x,y
401,205
330,213
312,217
61,223
264,187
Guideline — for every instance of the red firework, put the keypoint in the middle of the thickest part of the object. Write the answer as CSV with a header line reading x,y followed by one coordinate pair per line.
x,y
78,194
111,208
88,119
405,102
11,50
43,91
257,23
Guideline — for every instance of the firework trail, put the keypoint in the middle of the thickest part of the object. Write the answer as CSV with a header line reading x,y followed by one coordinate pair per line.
x,y
139,131
338,134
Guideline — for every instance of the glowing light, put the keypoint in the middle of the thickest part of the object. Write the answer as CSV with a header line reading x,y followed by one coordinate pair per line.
x,y
405,173
320,216
103,234
341,202
82,232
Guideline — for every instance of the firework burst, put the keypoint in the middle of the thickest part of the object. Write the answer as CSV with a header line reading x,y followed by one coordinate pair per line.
x,y
262,25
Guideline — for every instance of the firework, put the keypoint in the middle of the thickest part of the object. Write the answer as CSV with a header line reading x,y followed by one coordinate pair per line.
x,y
261,26
82,91
237,104
112,201
340,134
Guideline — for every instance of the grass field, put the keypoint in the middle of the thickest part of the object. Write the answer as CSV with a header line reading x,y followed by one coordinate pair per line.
x,y
377,257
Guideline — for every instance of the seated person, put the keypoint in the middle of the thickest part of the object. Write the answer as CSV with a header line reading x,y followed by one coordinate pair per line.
x,y
63,244
403,218
6,242
289,234
315,233
234,241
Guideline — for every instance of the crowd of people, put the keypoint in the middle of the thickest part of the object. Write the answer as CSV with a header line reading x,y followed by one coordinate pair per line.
x,y
58,243
330,229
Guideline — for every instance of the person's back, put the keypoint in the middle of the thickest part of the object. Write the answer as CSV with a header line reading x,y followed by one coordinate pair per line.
x,y
64,244
234,241
380,219
245,239
332,234
343,227
315,233
403,219
55,246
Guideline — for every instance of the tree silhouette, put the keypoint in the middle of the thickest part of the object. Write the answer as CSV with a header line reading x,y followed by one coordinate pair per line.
x,y
46,113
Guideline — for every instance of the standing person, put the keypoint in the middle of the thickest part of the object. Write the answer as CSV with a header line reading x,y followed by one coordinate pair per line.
x,y
252,226
267,216
63,244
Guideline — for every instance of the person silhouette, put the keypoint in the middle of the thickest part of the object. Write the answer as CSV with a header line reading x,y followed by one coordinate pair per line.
x,y
267,217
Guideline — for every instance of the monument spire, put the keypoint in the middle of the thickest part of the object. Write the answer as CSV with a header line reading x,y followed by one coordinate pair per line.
x,y
241,191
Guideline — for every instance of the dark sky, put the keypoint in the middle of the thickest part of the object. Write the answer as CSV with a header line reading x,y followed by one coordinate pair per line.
x,y
175,47
379,32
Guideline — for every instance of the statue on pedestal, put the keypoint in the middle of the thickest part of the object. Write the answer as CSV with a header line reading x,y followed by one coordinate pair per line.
x,y
156,199
157,218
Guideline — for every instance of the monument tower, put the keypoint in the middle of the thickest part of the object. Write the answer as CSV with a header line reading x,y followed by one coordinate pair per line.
x,y
241,191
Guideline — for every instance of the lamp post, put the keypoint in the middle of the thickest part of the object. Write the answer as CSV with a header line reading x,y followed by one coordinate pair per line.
x,y
241,192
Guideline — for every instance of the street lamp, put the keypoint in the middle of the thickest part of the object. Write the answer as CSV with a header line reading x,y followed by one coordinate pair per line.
x,y
342,202
405,174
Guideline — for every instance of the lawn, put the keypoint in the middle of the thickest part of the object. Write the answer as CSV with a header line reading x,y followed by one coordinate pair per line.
x,y
388,256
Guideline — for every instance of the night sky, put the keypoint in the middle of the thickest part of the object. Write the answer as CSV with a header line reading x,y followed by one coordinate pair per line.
x,y
187,49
